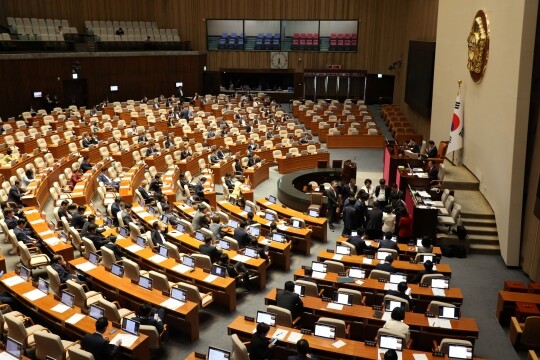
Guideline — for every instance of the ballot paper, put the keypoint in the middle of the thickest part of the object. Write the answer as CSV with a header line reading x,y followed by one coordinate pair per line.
x,y
338,344
390,286
127,339
294,337
75,318
134,248
181,268
172,304
366,261
318,275
334,306
438,292
12,281
157,258
241,258
60,308
86,266
34,294
210,278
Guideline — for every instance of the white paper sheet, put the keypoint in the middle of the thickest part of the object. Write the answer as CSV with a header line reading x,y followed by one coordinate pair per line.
x,y
134,248
86,266
387,316
294,337
338,344
420,357
34,294
366,261
438,292
60,308
75,318
283,227
181,268
337,257
127,339
318,275
52,241
12,281
210,278
390,286
241,258
172,304
157,259
334,306
280,334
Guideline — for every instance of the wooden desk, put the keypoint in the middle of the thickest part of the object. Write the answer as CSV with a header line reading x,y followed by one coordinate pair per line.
x,y
223,167
300,238
318,224
59,150
57,322
49,237
364,325
125,157
223,289
506,304
404,249
84,191
258,173
355,141
8,171
192,164
130,182
322,347
170,184
27,146
401,266
301,162
92,153
525,309
184,319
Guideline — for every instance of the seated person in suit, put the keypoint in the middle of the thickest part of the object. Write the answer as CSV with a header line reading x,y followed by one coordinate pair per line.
x,y
359,243
214,158
91,220
428,269
302,348
158,232
433,172
104,177
16,192
304,139
10,219
396,322
252,145
388,243
431,150
401,293
142,138
387,265
237,167
145,194
171,216
220,153
290,300
99,240
241,235
260,348
201,218
156,184
85,165
216,227
214,252
88,140
199,186
98,344
146,317
413,146
185,153
253,159
151,150
78,219
262,251
169,142
63,210
239,271
211,133
59,265
229,181
250,221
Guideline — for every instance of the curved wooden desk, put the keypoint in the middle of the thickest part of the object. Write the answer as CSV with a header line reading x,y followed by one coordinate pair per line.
x,y
301,162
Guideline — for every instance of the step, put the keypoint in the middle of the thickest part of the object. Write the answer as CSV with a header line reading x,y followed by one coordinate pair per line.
x,y
461,185
468,215
485,249
483,239
481,230
478,222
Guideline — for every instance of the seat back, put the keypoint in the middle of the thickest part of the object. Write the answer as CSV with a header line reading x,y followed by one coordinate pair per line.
x,y
111,311
16,329
311,288
239,350
379,274
396,298
131,269
350,246
77,291
88,247
153,336
383,331
159,281
192,293
426,279
341,329
433,306
334,266
202,261
48,344
531,330
173,250
443,346
391,251
283,316
25,255
54,280
357,295
107,257
419,256
80,354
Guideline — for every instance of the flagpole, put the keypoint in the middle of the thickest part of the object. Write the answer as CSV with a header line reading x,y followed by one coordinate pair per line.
x,y
459,90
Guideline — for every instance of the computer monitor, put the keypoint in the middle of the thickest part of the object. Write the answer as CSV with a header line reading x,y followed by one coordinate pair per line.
x,y
354,233
390,305
343,298
233,223
248,208
313,212
141,241
117,270
109,222
188,202
224,244
24,273
130,326
251,252
270,217
325,331
93,258
449,312
38,94
357,273
278,237
43,285
218,270
300,289
440,283
199,236
164,219
178,294
180,228
14,348
163,251
397,278
96,312
255,231
343,250
296,224
390,342
145,282
188,261
272,199
318,266
266,317
123,231
217,354
381,255
232,200
113,88
67,299
458,351
179,83
418,242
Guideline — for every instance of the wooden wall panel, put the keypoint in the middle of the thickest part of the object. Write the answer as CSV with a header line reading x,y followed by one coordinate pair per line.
x,y
136,77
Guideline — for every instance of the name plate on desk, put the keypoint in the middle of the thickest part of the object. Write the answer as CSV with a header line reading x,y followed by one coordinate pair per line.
x,y
381,280
249,318
326,299
437,354
200,356
370,343
377,307
423,285
305,331
331,251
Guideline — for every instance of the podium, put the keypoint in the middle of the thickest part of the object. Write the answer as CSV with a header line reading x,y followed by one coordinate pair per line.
x,y
349,171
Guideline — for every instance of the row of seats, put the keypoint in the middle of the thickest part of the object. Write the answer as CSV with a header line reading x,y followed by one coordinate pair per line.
x,y
37,26
137,38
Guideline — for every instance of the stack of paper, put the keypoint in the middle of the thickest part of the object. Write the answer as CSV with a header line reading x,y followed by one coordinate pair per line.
x,y
60,308
334,306
366,261
34,294
294,337
12,281
318,275
75,318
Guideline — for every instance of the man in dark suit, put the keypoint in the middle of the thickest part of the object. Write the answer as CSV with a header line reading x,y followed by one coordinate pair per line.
x,y
115,209
302,348
220,154
349,217
360,206
395,196
290,300
87,141
22,235
432,171
63,210
387,265
15,194
252,145
78,219
97,344
359,243
142,138
99,240
214,158
350,188
332,196
388,243
374,223
229,182
105,179
241,235
382,193
214,252
146,317
401,292
86,165
10,219
59,265
431,150
169,142
142,190
428,269
156,184
151,150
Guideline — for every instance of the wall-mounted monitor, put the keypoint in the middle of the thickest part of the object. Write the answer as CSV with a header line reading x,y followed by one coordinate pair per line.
x,y
37,94
75,76
113,88
179,83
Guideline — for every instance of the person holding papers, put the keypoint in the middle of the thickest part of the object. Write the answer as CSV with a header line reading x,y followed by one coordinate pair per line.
x,y
97,344
260,347
396,323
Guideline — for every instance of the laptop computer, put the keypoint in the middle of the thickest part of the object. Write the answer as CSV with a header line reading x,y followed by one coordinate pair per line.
x,y
300,289
130,326
266,317
357,273
343,250
313,212
164,219
145,282
325,331
440,283
224,244
248,208
390,305
93,258
254,231
343,298
278,237
199,236
390,342
43,285
448,312
67,299
272,199
188,261
270,217
458,351
296,224
318,266
217,354
96,312
233,223
178,294
218,270
117,270
141,241
251,252
14,348
123,231
180,228
397,278
163,251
